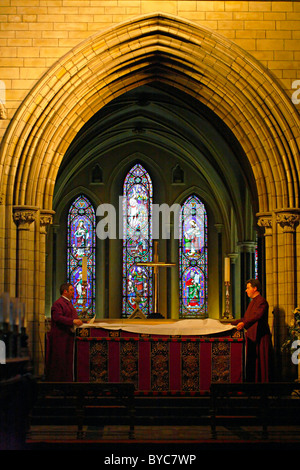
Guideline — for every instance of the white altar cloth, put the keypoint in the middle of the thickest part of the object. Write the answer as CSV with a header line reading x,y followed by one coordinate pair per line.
x,y
192,327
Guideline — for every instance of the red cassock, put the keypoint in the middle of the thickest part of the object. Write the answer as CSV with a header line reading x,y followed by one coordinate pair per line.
x,y
60,342
258,340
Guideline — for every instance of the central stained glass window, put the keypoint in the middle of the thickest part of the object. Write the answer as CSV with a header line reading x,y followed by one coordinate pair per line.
x,y
82,243
193,259
137,241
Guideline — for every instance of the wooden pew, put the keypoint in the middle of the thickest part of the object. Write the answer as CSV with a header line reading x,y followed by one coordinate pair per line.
x,y
264,403
86,397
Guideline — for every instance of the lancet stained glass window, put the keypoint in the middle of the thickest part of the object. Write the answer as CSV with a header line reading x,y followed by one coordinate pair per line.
x,y
193,259
256,259
137,241
82,243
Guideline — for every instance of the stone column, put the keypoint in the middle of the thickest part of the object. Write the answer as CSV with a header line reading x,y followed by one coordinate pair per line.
x,y
219,228
265,222
31,260
287,281
46,218
288,221
233,257
24,216
174,275
247,249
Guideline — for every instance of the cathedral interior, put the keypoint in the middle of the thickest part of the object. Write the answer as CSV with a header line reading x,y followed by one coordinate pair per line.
x,y
199,99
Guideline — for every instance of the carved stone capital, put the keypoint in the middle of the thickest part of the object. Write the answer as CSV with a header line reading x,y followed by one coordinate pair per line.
x,y
264,222
247,247
219,227
46,219
24,216
288,221
233,257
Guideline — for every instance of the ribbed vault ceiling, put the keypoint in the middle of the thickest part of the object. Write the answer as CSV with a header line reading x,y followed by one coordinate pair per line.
x,y
159,117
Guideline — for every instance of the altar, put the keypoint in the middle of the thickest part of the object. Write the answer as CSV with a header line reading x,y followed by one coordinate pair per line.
x,y
159,357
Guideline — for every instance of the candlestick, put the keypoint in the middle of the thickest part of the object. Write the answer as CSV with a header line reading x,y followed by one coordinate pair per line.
x,y
227,313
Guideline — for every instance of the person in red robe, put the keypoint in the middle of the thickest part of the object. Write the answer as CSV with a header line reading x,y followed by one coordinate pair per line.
x,y
60,339
258,335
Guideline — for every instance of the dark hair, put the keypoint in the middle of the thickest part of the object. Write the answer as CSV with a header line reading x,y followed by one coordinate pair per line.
x,y
64,287
254,283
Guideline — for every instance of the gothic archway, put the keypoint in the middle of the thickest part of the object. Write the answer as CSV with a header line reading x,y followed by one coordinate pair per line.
x,y
179,53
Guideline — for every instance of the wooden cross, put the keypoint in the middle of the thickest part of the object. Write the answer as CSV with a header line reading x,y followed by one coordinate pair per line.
x,y
155,264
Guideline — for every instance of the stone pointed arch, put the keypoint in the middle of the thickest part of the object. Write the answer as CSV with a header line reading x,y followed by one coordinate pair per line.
x,y
181,54
193,58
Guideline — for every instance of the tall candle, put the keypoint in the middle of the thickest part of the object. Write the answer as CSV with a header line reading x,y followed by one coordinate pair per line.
x,y
84,269
227,270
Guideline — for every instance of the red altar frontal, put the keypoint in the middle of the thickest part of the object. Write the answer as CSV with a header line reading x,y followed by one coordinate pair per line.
x,y
158,362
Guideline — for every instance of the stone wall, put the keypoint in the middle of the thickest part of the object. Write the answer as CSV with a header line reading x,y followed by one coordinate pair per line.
x,y
34,34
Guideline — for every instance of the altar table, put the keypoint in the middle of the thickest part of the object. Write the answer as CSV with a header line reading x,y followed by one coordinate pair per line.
x,y
156,360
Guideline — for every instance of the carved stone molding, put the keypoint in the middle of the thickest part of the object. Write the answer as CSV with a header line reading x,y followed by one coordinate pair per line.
x,y
46,219
247,247
3,113
233,257
288,221
24,216
265,222
219,227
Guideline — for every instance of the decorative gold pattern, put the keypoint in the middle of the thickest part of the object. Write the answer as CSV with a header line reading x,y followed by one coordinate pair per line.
x,y
288,221
220,362
237,334
160,366
23,217
129,362
83,332
190,366
99,361
46,219
114,334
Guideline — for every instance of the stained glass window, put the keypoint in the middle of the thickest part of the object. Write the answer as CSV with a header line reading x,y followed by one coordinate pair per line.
x,y
137,241
256,259
82,243
193,259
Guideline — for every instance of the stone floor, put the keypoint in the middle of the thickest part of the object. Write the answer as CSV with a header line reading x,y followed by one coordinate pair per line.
x,y
177,438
